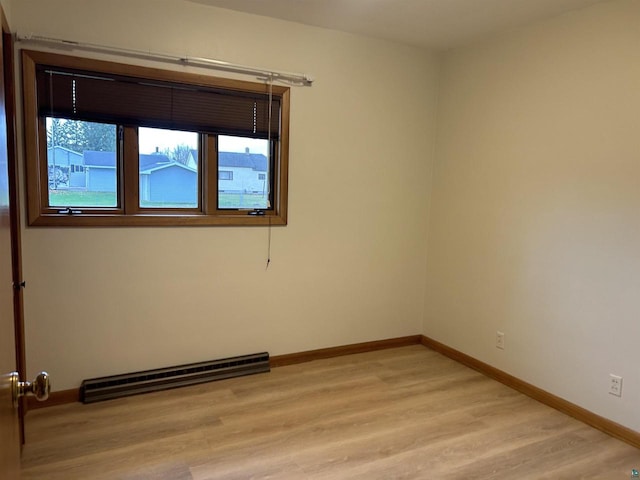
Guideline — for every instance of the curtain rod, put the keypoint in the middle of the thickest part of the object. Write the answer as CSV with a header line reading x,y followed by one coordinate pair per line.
x,y
286,77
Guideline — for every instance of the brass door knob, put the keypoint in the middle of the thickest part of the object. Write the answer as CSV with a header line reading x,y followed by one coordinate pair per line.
x,y
39,388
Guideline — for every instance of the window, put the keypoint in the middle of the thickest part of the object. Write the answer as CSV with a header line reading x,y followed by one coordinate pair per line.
x,y
114,144
73,145
169,177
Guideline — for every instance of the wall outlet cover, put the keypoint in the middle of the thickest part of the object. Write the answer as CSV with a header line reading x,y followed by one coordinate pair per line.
x,y
615,385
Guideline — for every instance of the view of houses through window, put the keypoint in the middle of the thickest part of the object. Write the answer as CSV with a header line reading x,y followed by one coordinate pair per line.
x,y
81,163
169,165
83,167
243,180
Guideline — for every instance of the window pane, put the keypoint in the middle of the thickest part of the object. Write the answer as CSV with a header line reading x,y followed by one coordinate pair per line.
x,y
243,173
169,168
82,166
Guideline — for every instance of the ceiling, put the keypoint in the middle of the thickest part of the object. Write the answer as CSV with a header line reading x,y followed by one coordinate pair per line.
x,y
433,24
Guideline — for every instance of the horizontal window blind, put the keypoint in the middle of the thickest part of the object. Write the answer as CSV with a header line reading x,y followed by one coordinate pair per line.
x,y
128,100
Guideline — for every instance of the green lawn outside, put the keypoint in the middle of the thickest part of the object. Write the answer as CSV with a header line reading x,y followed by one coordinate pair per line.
x,y
80,198
242,200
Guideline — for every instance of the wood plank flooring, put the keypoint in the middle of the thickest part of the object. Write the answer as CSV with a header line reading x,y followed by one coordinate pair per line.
x,y
402,413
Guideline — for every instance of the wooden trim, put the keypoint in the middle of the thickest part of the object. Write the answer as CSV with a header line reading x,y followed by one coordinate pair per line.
x,y
310,355
281,199
14,210
14,207
129,213
73,395
209,167
43,173
55,398
128,171
607,426
154,220
31,139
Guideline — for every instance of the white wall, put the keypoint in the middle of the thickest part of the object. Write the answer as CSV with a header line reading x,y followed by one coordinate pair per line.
x,y
348,268
535,224
6,7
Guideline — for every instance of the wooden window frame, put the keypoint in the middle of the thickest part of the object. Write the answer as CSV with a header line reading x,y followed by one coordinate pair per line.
x,y
128,212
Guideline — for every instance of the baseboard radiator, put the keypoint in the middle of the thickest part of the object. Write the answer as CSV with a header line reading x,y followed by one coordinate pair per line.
x,y
116,386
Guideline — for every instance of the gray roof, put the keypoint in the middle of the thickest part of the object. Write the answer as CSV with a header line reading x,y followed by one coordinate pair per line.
x,y
159,166
254,161
154,160
99,159
62,149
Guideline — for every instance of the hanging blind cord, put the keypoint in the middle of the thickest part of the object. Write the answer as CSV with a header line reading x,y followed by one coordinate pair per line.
x,y
269,245
268,166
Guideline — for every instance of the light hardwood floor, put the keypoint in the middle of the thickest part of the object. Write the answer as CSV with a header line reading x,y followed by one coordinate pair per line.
x,y
399,413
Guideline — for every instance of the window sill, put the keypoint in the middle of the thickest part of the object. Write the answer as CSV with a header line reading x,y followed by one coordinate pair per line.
x,y
155,220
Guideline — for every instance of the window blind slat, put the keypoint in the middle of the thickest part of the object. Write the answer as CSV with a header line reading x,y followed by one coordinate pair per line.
x,y
127,100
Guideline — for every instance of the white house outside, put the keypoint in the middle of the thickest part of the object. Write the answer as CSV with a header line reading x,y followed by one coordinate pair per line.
x,y
93,171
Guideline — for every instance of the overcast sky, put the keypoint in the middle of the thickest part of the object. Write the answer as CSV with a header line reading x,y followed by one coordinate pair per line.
x,y
150,138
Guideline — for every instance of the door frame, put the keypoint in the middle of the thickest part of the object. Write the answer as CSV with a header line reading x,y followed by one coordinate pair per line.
x,y
14,208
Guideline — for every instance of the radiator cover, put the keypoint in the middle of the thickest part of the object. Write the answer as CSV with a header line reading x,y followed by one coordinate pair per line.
x,y
116,386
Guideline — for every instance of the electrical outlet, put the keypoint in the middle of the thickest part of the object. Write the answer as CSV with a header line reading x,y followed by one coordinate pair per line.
x,y
615,385
500,340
